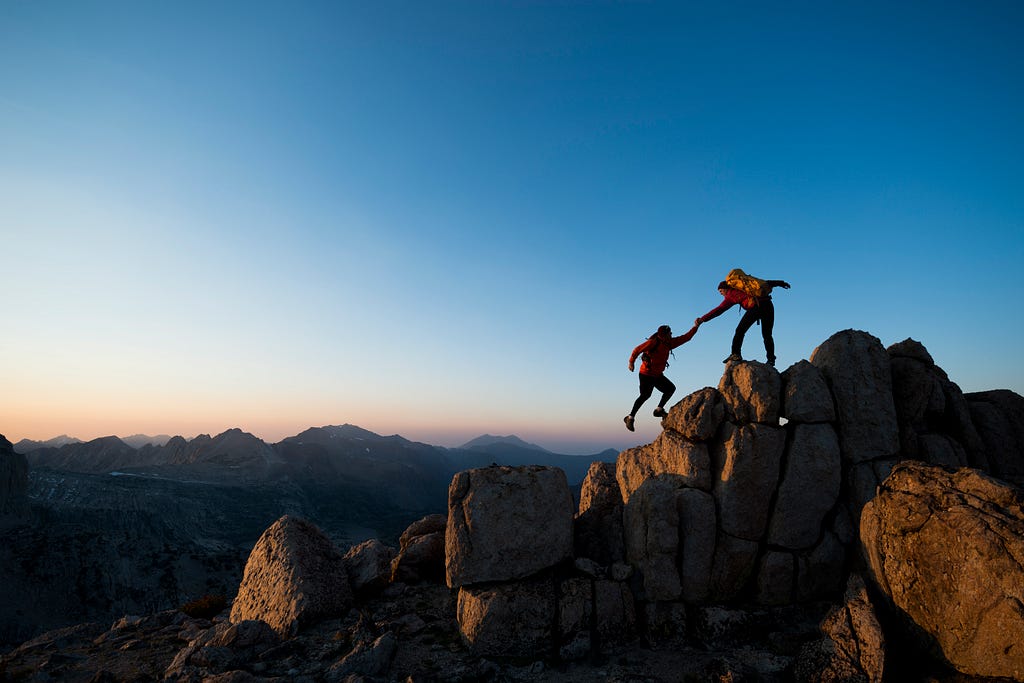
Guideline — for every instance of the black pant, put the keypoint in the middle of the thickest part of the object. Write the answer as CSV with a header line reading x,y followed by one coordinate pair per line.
x,y
648,383
765,312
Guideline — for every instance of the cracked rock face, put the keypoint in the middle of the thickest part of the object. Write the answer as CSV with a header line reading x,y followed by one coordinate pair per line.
x,y
852,647
948,549
857,369
507,523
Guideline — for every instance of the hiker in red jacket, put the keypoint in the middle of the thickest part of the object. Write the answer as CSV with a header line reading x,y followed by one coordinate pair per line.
x,y
756,309
652,370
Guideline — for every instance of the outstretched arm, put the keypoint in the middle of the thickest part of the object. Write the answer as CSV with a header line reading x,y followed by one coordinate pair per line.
x,y
778,283
683,338
715,312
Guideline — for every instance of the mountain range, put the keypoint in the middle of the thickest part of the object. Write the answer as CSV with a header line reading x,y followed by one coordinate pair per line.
x,y
139,440
354,482
235,456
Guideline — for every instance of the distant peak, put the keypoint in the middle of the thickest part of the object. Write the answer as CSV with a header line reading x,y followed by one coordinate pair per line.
x,y
26,445
236,434
140,440
510,440
348,428
345,431
109,441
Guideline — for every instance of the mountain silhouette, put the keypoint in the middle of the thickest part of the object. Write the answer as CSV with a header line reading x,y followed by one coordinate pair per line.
x,y
344,452
487,440
26,445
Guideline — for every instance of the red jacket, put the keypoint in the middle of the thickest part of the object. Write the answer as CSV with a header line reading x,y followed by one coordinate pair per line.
x,y
657,351
732,297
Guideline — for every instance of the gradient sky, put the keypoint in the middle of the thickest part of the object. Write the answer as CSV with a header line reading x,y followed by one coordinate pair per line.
x,y
443,219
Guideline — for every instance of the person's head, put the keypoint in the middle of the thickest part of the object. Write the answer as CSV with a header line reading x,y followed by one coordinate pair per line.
x,y
723,288
664,332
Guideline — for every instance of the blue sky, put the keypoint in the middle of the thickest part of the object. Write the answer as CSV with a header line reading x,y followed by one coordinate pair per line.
x,y
449,218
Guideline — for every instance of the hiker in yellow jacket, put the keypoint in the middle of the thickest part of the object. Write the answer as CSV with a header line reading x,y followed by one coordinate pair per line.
x,y
754,296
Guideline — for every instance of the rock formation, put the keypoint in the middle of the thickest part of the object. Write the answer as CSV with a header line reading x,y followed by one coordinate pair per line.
x,y
934,417
507,523
999,418
368,566
853,645
294,576
857,370
226,646
947,548
421,551
752,495
598,526
728,503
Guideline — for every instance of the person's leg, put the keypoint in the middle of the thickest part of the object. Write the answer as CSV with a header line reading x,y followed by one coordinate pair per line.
x,y
767,325
745,322
665,386
646,389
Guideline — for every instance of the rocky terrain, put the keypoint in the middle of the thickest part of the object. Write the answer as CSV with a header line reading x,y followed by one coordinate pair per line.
x,y
853,518
106,529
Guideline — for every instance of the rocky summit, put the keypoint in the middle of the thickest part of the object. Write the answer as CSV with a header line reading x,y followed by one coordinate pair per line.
x,y
855,517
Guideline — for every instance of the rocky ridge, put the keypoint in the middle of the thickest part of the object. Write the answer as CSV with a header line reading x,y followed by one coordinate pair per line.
x,y
784,526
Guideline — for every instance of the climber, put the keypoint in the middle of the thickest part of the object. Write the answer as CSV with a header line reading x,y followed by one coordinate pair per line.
x,y
655,351
757,305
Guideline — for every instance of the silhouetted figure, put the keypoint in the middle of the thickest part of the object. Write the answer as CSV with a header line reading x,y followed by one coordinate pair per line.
x,y
655,352
757,308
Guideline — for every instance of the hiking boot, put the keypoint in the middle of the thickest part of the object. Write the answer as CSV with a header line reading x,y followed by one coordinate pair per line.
x,y
629,422
733,358
660,412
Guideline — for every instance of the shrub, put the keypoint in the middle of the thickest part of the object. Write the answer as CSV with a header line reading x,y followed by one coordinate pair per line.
x,y
206,607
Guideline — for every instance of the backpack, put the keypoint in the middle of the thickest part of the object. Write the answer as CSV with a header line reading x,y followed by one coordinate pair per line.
x,y
645,357
754,286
